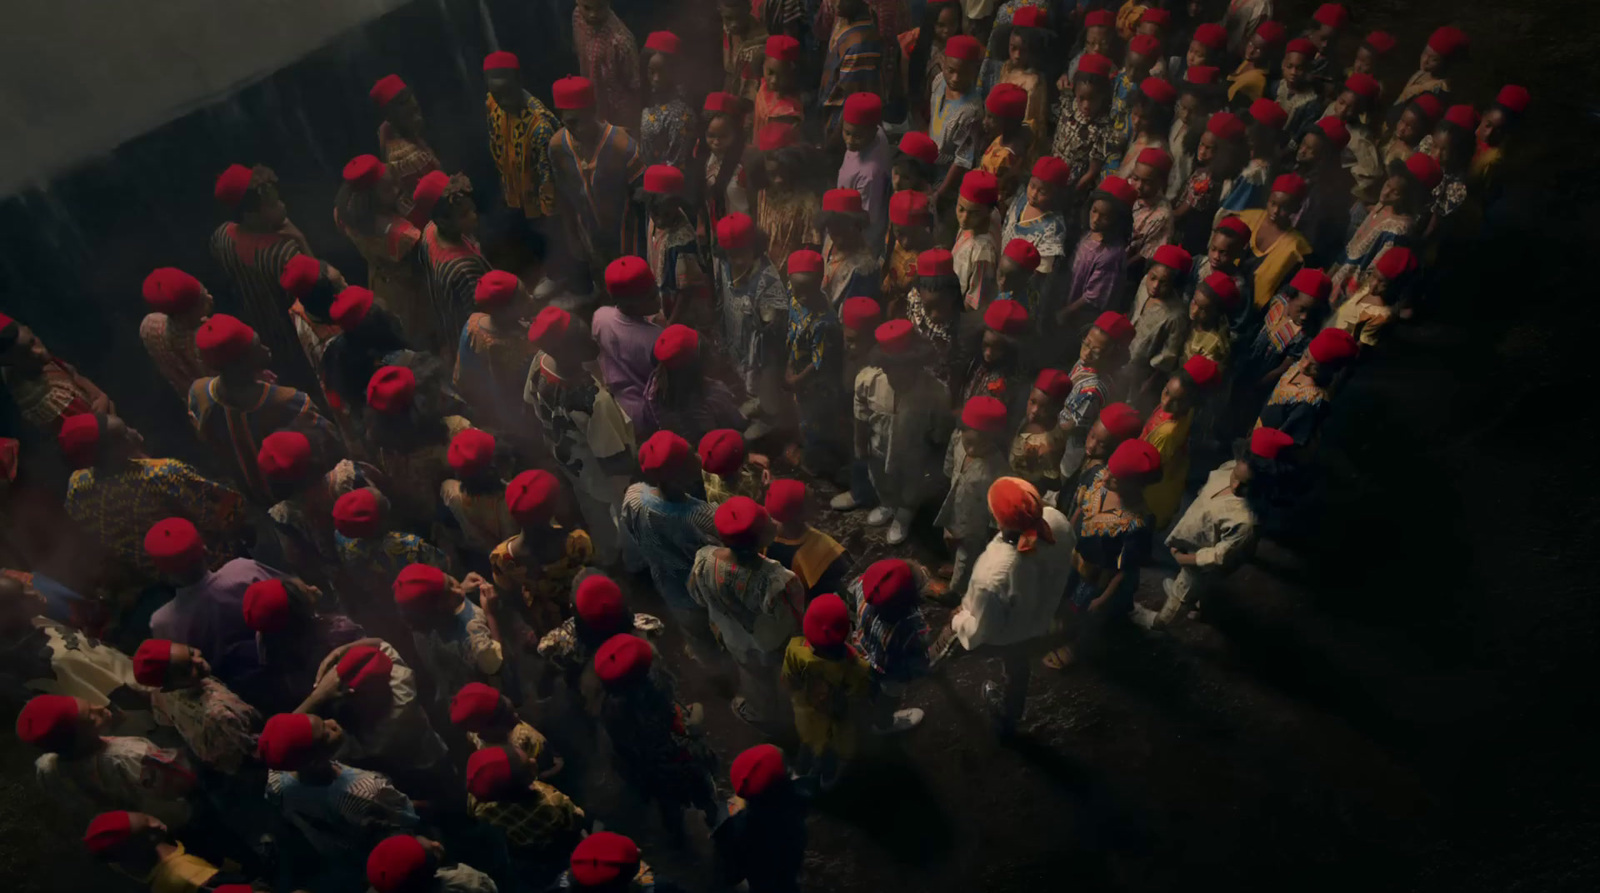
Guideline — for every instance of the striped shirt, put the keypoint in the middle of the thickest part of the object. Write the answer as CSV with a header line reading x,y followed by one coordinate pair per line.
x,y
172,349
254,262
235,432
453,272
349,815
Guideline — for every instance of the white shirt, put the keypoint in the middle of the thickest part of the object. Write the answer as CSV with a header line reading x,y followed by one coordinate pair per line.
x,y
1013,596
404,738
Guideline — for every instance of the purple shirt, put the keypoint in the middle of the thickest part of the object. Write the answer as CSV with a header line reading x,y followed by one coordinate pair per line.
x,y
627,357
868,173
209,615
1097,271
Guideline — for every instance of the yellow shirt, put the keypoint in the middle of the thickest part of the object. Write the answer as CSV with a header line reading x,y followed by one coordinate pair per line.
x,y
180,872
1274,262
1363,320
1214,346
1170,437
1246,81
825,693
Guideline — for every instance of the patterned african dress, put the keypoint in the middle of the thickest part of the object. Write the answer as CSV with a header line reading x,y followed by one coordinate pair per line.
x,y
408,160
49,397
491,370
172,349
1215,344
751,304
732,197
657,752
416,475
899,277
1382,229
595,194
815,340
742,60
304,521
254,263
1169,434
482,518
854,63
453,270
976,258
826,692
545,588
1006,164
372,563
1045,230
849,274
234,433
941,338
520,147
1110,541
667,132
1036,114
667,534
1081,410
674,255
117,508
395,275
609,56
1036,457
1297,405
771,106
956,126
1078,141
789,220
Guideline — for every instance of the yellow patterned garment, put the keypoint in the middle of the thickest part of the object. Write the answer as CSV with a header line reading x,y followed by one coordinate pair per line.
x,y
118,507
546,590
520,147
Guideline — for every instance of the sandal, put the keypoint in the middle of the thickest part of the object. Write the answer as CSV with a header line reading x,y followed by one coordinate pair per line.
x,y
1058,659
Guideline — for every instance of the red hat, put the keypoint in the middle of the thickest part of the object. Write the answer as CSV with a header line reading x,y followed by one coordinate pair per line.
x,y
629,276
419,585
1028,17
1513,99
1202,75
1302,46
489,773
863,109
391,389
151,661
775,135
1269,114
79,439
1268,443
1115,325
1333,347
1156,16
351,307
1271,32
1333,15
1052,170
287,741
1430,106
499,60
756,770
1312,282
108,830
1463,116
827,620
985,414
1364,85
663,179
358,514
1203,370
170,290
662,451
598,603
266,606
364,171
299,275
842,201
573,92
49,722
895,336
1023,253
1225,126
735,231
429,190
1006,317
174,545
677,346
920,146
722,452
1211,35
232,184
1425,170
720,103
549,327
471,451
222,339
964,47
1007,100
741,521
1335,130
786,500
1146,45
1159,91
1155,157
783,47
604,858
1380,42
1134,458
908,207
1234,225
530,497
475,706
363,666
621,658
1054,383
1099,18
858,313
284,456
1119,189
662,42
1223,286
804,260
887,579
1448,40
398,863
1290,184
936,262
1396,262
386,89
980,187
496,289
1174,258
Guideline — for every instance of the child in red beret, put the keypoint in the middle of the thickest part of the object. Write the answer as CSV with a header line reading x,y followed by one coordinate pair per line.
x,y
910,234
786,207
674,251
1445,48
850,261
975,253
1213,300
1101,356
216,724
728,468
815,557
828,685
1303,396
975,459
1028,46
1009,138
1140,57
933,305
141,846
746,50
1036,450
902,427
82,765
371,552
1168,430
1259,58
777,99
1150,115
1295,90
891,635
852,63
535,567
814,360
1152,223
1158,319
456,640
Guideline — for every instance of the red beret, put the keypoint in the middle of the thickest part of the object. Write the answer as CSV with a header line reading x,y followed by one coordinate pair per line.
x,y
1054,383
1225,126
284,456
300,274
720,103
1007,317
49,722
171,290
1155,157
1268,114
604,858
419,585
863,109
735,231
920,146
398,863
1134,458
980,187
1028,17
1463,116
786,500
886,580
471,451
783,47
174,545
722,452
775,135
984,414
1156,16
1023,253
489,773
1115,325
266,606
1202,75
908,207
1302,46
363,171
756,770
662,451
1202,370
964,47
663,179
741,521
1234,225
351,307
662,41
1312,282
222,339
895,336
1335,130
501,59
429,190
1146,45
598,603
804,260
1425,170
1430,106
1380,42
1333,347
827,620
1333,15
572,93
1364,85
1120,420
677,346
1007,100
151,661
475,707
1268,443
1290,184
530,497
936,262
1175,258
363,666
1271,32
287,741
79,439
232,184
358,513
1396,262
842,201
1118,189
1099,18
1211,35
858,313
386,89
1052,170
1159,91
549,327
1223,287
1448,40
108,830
621,658
1513,98
629,276
391,389
496,289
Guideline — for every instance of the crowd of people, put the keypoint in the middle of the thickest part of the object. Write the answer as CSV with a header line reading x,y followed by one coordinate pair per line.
x,y
1062,293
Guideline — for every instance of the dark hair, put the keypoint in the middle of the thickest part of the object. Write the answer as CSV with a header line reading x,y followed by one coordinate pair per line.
x,y
1415,195
1459,141
914,166
1265,474
318,299
357,208
663,205
457,189
1226,162
794,161
947,284
715,194
679,388
825,219
917,59
1122,219
1157,115
352,357
261,179
1036,44
1263,141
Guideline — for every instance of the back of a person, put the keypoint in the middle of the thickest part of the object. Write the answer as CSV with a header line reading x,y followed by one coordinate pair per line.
x,y
668,532
316,810
210,616
747,601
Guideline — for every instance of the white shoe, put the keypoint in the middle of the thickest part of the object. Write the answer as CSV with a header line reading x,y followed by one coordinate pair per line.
x,y
844,502
880,516
1169,586
899,531
1143,617
907,719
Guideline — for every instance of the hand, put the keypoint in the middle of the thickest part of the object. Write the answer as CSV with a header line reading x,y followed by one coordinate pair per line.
x,y
1099,603
488,598
470,582
1063,84
1185,559
328,688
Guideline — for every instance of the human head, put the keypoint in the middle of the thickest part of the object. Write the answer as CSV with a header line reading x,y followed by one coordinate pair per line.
x,y
664,191
1227,243
1004,109
598,608
1373,47
1091,86
666,460
1019,513
910,219
1328,353
161,663
659,59
782,55
758,774
605,860
594,13
1168,269
125,837
1284,201
175,549
1510,105
1105,344
914,162
404,863
180,296
1308,295
736,17
1296,65
843,218
632,286
250,196
478,708
1266,45
859,317
575,105
97,440
62,724
1018,261
1410,183
231,348
1099,31
1050,390
862,119
743,525
1209,41
962,55
1444,46
1453,145
980,190
1132,466
723,113
1029,40
1216,296
423,596
290,742
1149,174
805,274
1050,179
398,104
